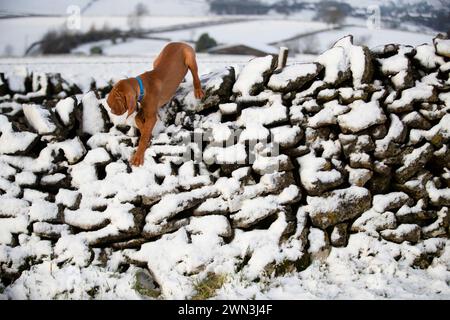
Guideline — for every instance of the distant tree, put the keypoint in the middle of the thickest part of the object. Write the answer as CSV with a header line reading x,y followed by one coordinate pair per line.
x,y
205,42
330,12
134,19
96,50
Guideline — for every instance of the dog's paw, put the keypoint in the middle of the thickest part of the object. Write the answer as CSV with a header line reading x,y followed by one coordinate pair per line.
x,y
199,94
137,159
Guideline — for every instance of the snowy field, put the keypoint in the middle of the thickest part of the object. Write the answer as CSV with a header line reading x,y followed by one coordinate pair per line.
x,y
250,32
25,31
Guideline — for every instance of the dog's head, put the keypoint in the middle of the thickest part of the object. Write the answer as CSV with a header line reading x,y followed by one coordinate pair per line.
x,y
122,98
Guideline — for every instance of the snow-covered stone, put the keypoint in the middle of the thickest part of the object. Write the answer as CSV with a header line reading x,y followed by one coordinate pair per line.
x,y
319,245
404,232
338,206
361,116
390,201
12,142
317,174
217,86
252,77
40,119
442,46
337,66
93,116
293,77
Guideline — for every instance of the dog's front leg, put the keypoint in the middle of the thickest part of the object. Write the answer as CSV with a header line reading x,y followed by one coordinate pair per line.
x,y
145,121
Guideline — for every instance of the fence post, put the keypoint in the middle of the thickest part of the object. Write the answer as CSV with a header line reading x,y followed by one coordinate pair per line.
x,y
282,57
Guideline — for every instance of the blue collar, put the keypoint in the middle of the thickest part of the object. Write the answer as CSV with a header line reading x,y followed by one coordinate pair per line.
x,y
141,89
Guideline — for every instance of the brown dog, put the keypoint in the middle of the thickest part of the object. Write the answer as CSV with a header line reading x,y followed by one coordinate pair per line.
x,y
159,86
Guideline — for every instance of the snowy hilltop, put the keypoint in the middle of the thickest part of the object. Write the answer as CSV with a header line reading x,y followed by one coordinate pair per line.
x,y
328,179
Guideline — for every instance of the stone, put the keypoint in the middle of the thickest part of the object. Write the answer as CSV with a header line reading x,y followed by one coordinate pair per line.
x,y
339,235
318,175
358,177
254,75
294,77
13,142
361,116
41,120
360,60
172,204
416,120
442,46
337,66
372,222
338,206
416,214
217,87
360,160
287,136
404,232
319,245
439,227
390,201
413,161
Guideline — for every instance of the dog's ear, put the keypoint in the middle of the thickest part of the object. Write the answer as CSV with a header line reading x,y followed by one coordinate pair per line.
x,y
130,101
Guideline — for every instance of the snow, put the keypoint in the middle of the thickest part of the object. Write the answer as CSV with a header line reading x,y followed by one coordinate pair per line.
x,y
228,108
427,57
291,73
383,202
361,116
394,133
328,115
394,64
317,241
254,210
254,131
39,118
250,31
442,47
42,210
170,205
269,114
252,74
92,116
25,178
356,57
312,171
286,135
263,165
64,108
438,196
335,62
420,92
12,142
73,149
12,207
66,197
228,155
8,226
16,80
180,248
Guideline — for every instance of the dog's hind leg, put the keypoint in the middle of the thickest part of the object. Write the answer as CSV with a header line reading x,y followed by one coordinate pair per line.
x,y
192,65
